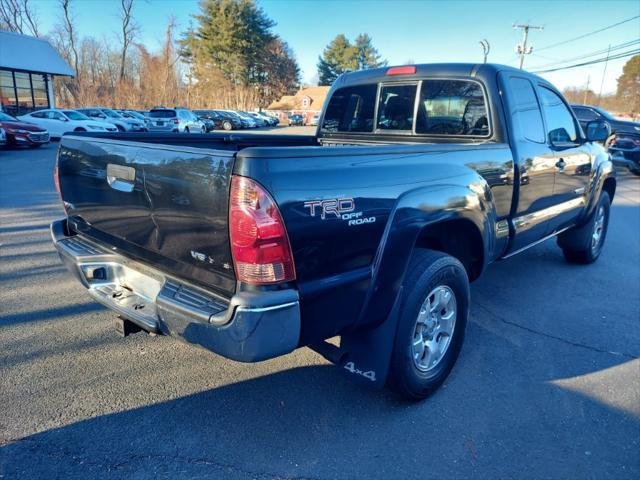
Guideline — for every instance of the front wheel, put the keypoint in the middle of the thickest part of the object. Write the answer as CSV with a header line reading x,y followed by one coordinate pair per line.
x,y
227,126
584,244
432,322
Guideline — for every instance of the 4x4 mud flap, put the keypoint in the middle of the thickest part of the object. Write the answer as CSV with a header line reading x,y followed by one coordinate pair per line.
x,y
364,355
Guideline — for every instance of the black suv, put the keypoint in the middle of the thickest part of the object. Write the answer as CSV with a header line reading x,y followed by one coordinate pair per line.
x,y
624,143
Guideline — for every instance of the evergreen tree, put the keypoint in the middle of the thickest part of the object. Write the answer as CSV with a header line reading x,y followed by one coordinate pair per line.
x,y
233,39
342,56
368,56
337,58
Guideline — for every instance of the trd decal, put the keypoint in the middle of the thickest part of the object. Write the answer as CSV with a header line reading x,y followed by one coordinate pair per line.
x,y
340,208
333,206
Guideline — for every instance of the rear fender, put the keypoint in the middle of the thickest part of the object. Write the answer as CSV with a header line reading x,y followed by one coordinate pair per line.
x,y
413,212
365,351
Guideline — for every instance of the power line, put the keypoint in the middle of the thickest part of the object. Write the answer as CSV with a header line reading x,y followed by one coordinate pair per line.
x,y
612,48
592,62
588,34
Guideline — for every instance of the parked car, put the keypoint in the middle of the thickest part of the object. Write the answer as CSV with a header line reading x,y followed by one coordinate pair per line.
x,y
19,131
260,122
132,114
205,117
220,120
270,120
370,230
111,116
314,120
625,150
177,120
624,143
296,120
59,121
247,120
591,113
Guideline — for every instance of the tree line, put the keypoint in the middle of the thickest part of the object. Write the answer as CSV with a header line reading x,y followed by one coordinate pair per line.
x,y
229,57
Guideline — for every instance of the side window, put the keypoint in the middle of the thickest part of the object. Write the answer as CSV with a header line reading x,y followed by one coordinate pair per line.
x,y
395,107
39,114
561,127
585,114
351,109
526,112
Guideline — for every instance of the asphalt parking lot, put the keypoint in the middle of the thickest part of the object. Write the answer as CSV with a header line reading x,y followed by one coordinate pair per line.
x,y
547,385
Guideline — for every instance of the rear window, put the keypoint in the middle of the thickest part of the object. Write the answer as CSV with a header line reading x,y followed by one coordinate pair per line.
x,y
351,109
395,107
162,113
445,107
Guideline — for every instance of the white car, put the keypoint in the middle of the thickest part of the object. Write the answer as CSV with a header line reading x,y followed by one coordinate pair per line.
x,y
60,121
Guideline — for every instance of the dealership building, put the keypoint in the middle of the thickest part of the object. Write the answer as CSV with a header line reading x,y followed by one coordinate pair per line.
x,y
27,68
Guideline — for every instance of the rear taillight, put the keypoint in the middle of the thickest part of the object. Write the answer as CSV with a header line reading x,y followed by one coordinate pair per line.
x,y
259,242
612,142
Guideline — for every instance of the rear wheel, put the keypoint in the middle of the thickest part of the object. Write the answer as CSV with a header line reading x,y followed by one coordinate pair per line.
x,y
227,125
584,244
80,129
120,128
186,129
431,326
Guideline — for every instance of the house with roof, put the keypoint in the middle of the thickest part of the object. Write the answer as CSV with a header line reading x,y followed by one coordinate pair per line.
x,y
306,102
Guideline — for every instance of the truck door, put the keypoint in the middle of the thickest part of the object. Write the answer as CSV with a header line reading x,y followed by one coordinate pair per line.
x,y
533,159
572,159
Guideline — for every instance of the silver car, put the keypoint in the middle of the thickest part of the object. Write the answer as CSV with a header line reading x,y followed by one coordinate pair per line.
x,y
111,116
176,120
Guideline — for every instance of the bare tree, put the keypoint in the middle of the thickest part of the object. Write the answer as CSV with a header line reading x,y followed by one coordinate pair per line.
x,y
129,30
70,33
18,16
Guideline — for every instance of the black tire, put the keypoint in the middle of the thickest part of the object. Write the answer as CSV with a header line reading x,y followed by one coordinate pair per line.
x,y
428,270
80,129
120,128
186,129
578,244
227,126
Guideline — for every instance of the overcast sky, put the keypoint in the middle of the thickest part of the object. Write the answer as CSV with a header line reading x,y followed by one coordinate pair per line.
x,y
419,31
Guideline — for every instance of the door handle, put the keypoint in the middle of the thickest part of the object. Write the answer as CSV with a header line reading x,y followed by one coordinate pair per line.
x,y
561,164
121,178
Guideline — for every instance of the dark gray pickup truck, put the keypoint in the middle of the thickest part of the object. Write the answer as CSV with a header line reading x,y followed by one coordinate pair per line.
x,y
254,245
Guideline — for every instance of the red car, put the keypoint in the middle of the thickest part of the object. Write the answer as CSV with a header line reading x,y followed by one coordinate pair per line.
x,y
22,133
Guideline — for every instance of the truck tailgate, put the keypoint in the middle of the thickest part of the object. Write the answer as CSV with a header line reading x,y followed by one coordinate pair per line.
x,y
163,205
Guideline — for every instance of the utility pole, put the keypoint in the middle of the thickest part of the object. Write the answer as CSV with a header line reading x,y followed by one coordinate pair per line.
x,y
522,49
485,48
603,74
586,91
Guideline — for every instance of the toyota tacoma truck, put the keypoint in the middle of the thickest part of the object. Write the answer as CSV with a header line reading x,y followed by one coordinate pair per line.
x,y
366,234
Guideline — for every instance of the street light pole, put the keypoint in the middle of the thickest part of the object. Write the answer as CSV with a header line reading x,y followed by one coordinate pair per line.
x,y
522,48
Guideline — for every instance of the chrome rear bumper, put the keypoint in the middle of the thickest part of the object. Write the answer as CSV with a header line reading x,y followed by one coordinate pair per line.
x,y
251,326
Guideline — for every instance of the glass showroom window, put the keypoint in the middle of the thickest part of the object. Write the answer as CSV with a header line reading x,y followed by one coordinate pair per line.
x,y
22,92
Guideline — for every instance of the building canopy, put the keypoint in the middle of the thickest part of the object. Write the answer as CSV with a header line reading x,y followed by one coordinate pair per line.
x,y
30,54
